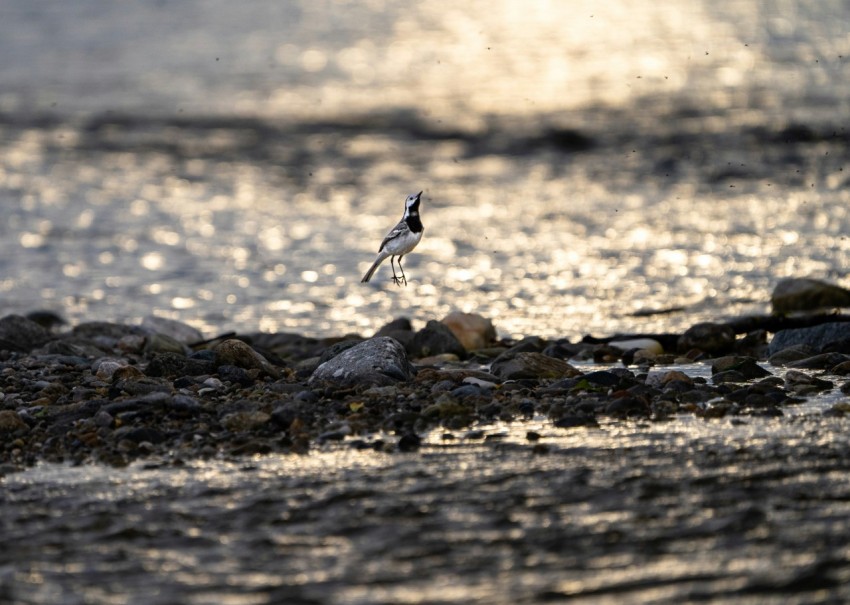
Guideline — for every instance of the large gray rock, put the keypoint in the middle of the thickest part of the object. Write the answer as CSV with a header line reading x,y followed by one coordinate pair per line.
x,y
804,294
380,361
817,337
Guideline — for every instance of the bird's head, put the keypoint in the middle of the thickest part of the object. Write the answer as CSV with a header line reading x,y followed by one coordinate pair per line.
x,y
411,204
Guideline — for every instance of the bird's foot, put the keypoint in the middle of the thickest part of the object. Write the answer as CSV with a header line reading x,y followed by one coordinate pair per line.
x,y
397,280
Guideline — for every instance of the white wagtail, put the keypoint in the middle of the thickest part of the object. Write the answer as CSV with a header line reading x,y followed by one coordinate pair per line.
x,y
400,240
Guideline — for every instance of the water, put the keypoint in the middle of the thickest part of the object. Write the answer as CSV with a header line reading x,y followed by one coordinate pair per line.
x,y
235,167
688,510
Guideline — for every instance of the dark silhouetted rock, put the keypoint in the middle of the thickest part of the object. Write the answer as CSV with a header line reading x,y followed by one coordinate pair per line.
x,y
824,361
790,355
804,294
817,337
745,366
21,334
435,339
711,338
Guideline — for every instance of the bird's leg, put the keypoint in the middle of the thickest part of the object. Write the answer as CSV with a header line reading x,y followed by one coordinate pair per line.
x,y
402,269
396,280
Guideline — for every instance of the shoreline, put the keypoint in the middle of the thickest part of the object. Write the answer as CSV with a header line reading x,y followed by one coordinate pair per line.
x,y
110,394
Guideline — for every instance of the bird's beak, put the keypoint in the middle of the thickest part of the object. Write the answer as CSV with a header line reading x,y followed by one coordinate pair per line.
x,y
418,195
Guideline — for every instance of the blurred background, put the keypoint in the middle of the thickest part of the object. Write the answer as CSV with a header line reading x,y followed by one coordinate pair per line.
x,y
588,167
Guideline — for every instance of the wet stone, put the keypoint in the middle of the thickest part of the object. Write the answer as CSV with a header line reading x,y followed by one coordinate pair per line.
x,y
728,376
602,378
745,366
803,384
824,361
791,354
661,378
532,365
842,369
816,337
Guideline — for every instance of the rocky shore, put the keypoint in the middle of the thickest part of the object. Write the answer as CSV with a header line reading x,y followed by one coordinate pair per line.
x,y
109,393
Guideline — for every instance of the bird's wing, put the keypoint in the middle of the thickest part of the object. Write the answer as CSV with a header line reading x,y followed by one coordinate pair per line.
x,y
394,233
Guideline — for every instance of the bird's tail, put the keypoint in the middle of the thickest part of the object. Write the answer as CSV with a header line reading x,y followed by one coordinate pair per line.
x,y
372,269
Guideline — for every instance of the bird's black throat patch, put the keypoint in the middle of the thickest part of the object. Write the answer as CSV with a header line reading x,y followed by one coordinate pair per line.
x,y
414,222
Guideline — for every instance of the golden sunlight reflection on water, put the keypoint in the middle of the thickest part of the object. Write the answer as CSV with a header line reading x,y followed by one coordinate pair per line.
x,y
234,225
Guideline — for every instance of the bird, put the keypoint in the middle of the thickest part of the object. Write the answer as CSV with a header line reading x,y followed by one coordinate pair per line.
x,y
400,240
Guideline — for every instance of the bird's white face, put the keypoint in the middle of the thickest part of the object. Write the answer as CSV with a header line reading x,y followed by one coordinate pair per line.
x,y
412,201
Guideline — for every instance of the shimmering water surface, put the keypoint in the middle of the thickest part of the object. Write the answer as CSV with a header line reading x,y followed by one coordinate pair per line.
x,y
682,511
236,166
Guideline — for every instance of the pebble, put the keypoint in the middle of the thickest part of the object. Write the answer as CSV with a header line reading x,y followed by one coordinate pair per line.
x,y
106,368
245,420
659,378
484,384
11,422
745,366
